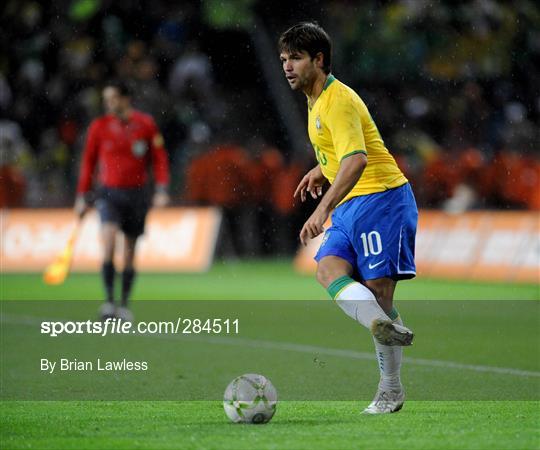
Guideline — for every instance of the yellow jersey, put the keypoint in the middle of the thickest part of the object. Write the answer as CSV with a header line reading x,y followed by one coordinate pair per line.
x,y
339,125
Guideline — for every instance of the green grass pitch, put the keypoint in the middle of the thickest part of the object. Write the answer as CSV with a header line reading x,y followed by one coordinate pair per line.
x,y
255,280
472,377
297,425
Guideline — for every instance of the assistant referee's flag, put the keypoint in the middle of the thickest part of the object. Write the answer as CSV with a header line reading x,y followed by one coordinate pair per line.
x,y
58,270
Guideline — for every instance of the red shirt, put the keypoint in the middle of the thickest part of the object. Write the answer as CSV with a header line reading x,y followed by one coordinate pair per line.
x,y
124,151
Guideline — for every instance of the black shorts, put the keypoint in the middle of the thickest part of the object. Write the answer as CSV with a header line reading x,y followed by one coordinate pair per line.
x,y
126,207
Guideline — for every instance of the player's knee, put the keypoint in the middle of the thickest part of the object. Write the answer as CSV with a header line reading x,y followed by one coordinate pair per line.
x,y
330,268
326,274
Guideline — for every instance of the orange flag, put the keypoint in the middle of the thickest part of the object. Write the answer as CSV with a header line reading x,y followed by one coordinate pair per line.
x,y
58,270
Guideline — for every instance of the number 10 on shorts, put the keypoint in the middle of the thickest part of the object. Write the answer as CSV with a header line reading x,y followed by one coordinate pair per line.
x,y
372,243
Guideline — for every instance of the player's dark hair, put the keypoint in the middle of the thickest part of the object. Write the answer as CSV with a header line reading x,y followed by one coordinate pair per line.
x,y
309,37
122,87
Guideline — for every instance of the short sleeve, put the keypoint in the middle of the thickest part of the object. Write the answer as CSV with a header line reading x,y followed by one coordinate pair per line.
x,y
345,125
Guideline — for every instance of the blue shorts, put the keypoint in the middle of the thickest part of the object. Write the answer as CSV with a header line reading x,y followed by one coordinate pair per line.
x,y
126,207
375,233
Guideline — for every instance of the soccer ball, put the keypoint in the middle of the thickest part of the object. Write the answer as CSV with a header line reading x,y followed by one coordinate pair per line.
x,y
250,398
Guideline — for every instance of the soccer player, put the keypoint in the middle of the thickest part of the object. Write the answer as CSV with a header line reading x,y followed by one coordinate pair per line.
x,y
124,144
370,245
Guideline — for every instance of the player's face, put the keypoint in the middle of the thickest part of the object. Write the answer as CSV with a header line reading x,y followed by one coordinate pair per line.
x,y
300,69
114,102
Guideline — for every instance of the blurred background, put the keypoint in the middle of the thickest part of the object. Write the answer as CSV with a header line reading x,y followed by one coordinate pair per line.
x,y
452,86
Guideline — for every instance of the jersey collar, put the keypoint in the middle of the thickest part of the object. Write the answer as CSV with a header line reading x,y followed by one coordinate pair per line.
x,y
331,78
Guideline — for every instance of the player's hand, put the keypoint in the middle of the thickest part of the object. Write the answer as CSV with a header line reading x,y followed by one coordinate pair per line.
x,y
160,199
81,206
314,225
312,182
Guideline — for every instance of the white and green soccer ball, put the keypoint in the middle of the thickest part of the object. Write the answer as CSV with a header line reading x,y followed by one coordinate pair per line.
x,y
250,398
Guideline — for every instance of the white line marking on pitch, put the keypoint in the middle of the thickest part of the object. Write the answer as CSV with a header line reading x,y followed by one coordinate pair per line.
x,y
300,348
353,354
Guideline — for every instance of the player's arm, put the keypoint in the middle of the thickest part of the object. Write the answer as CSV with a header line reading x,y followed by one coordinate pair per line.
x,y
344,123
160,167
88,165
312,182
350,171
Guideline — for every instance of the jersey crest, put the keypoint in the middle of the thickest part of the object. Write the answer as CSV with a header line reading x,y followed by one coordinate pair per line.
x,y
139,148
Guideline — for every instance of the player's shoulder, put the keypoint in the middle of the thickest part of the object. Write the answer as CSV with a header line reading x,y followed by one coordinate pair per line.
x,y
342,99
342,92
140,116
99,122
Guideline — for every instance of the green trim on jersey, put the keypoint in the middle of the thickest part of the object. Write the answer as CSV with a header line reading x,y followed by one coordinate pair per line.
x,y
338,285
331,78
353,153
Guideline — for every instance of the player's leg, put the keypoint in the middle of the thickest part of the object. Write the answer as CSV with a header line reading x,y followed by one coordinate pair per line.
x,y
334,273
393,236
107,207
132,222
361,304
128,277
390,394
385,331
108,271
382,227
383,288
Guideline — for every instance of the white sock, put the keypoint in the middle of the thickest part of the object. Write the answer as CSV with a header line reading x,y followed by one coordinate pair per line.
x,y
389,359
359,303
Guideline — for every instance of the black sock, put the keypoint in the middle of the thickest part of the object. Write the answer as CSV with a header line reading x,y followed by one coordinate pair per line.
x,y
108,274
127,282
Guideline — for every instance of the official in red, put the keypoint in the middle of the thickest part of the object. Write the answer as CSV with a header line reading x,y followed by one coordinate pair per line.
x,y
124,145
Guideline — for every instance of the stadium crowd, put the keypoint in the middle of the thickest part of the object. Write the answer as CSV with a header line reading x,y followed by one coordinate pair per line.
x,y
461,79
453,88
